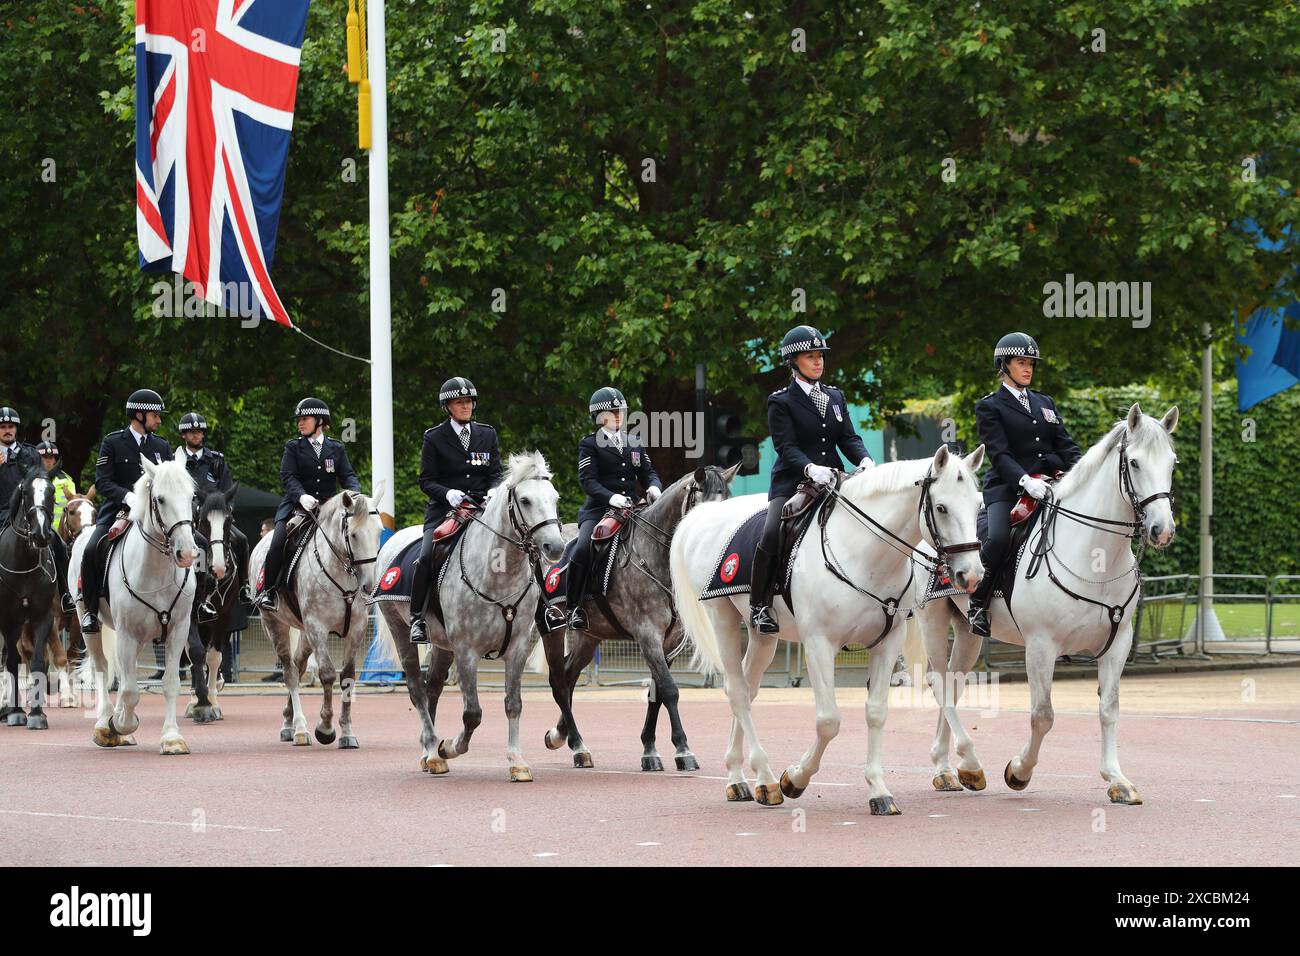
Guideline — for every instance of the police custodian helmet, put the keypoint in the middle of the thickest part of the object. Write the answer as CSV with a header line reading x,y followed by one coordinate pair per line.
x,y
312,406
802,338
607,399
144,400
9,416
191,421
1013,344
48,447
455,388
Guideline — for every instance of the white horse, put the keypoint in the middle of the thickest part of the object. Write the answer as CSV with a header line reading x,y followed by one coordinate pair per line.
x,y
847,585
1119,490
334,575
151,585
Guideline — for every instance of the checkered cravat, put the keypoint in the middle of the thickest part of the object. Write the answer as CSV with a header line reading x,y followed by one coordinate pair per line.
x,y
819,398
1024,400
464,437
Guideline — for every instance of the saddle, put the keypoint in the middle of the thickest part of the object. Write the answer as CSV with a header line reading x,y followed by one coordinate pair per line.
x,y
605,539
394,580
455,520
1020,532
1027,504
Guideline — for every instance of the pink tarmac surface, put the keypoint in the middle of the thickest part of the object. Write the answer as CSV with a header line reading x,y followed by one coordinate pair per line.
x,y
1220,776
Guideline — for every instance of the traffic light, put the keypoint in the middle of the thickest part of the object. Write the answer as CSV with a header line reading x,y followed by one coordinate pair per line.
x,y
730,445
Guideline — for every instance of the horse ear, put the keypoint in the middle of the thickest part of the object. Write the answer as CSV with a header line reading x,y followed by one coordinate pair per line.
x,y
975,459
180,453
348,500
149,467
730,473
230,492
1134,417
1170,421
377,491
701,476
941,458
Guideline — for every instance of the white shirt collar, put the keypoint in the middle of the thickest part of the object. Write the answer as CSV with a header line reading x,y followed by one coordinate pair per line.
x,y
457,427
615,438
806,386
1017,392
193,454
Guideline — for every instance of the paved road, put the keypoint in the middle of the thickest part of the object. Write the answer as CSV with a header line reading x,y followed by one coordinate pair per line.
x,y
1215,756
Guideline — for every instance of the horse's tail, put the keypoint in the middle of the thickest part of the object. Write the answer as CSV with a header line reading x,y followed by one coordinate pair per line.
x,y
536,663
101,646
386,636
696,624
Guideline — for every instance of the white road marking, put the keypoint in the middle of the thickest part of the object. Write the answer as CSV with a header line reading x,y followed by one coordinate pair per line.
x,y
1030,810
160,823
936,816
545,854
1204,800
649,843
746,833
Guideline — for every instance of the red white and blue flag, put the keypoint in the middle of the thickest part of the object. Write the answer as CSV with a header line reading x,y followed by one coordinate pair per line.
x,y
215,87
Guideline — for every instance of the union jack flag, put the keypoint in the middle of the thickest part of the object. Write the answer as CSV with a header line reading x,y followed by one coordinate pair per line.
x,y
215,86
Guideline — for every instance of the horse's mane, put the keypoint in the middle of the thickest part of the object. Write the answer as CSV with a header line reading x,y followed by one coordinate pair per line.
x,y
1148,431
170,478
525,465
891,477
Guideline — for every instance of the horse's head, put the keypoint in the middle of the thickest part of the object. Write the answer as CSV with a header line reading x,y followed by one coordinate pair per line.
x,y
710,483
164,508
531,500
358,518
1148,458
32,509
214,520
950,508
78,513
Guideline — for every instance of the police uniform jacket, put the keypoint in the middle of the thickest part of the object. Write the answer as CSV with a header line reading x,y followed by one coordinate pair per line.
x,y
118,468
605,471
802,437
21,464
1018,442
303,473
209,471
446,464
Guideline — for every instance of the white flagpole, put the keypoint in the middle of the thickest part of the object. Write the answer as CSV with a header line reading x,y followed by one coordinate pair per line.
x,y
381,348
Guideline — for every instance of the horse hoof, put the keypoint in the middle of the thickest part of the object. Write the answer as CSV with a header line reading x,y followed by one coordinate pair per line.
x,y
946,781
1012,781
652,763
556,743
171,748
437,766
38,722
301,739
445,750
521,775
128,740
189,710
788,787
583,761
286,735
738,792
216,714
884,807
972,779
104,737
348,743
1124,793
200,715
326,737
17,719
687,762
768,795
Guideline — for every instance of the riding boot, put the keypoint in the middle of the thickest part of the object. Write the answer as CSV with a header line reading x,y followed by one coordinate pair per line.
x,y
977,614
240,547
761,579
419,598
271,570
60,550
91,575
577,589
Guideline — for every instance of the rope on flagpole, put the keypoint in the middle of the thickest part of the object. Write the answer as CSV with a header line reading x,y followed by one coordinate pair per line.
x,y
298,329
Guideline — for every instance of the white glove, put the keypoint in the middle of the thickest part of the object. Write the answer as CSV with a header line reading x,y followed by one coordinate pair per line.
x,y
652,493
488,497
821,474
1036,488
130,499
866,463
308,503
455,496
620,501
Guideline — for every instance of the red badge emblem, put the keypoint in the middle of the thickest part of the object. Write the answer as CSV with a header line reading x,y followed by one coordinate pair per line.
x,y
729,567
552,580
260,573
390,578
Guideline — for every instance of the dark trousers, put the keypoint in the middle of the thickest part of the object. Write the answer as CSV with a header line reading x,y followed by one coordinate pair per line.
x,y
580,564
274,556
60,562
423,571
993,549
764,572
91,569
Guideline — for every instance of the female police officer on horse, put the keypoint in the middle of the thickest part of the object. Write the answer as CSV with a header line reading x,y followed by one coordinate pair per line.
x,y
611,463
809,421
1023,438
460,459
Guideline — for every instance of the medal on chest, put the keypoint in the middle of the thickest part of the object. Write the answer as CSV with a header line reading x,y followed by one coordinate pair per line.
x,y
1050,416
329,465
636,459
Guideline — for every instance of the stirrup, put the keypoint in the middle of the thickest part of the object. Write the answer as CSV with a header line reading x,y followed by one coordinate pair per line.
x,y
578,619
761,619
978,619
90,623
554,617
265,599
205,612
418,634
66,603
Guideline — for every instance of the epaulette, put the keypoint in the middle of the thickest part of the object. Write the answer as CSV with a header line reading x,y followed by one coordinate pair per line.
x,y
483,425
783,388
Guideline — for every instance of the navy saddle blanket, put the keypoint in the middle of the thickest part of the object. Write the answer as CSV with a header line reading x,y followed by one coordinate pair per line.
x,y
734,565
941,586
555,582
394,581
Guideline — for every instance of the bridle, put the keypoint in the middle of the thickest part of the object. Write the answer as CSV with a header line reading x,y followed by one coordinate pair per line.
x,y
220,588
162,544
350,561
1045,543
28,535
915,556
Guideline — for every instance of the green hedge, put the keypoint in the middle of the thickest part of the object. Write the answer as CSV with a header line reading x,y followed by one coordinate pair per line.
x,y
1256,504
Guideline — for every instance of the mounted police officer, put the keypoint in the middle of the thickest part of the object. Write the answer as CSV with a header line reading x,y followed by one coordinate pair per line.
x,y
461,458
312,470
65,489
18,462
1023,436
810,425
210,472
117,470
611,465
